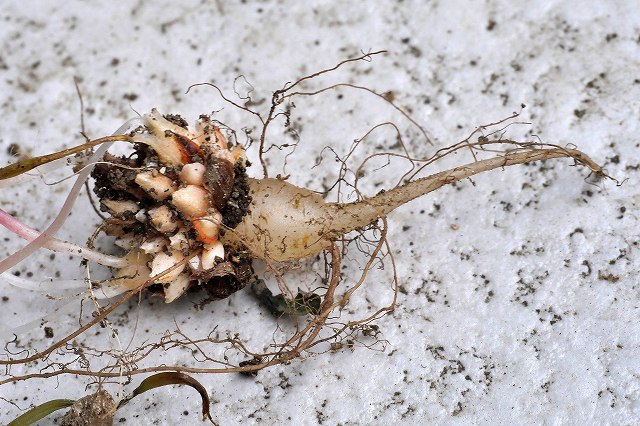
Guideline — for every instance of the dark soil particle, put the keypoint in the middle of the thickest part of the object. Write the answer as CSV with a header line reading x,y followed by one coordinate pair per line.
x,y
117,183
239,200
14,150
177,120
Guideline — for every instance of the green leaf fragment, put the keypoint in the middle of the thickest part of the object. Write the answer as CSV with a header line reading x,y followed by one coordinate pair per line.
x,y
41,411
172,378
303,303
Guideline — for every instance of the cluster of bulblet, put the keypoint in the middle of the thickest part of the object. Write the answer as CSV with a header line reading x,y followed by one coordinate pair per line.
x,y
170,201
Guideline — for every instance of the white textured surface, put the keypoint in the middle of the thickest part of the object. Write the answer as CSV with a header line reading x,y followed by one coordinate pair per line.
x,y
508,319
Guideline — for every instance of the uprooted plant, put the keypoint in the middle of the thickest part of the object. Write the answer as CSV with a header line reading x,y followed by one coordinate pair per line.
x,y
187,216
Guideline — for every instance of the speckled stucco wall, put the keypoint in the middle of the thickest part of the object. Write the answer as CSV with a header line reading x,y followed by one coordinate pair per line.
x,y
519,299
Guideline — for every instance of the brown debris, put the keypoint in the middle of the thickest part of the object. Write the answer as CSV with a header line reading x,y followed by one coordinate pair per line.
x,y
93,410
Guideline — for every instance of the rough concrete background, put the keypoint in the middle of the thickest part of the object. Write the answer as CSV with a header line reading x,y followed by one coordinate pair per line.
x,y
519,298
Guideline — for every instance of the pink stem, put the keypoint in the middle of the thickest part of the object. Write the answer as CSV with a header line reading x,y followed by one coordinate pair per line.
x,y
30,234
55,226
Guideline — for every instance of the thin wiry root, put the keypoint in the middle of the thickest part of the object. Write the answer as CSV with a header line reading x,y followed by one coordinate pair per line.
x,y
322,327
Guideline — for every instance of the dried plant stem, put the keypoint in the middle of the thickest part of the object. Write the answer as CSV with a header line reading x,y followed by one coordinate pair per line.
x,y
370,209
21,167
